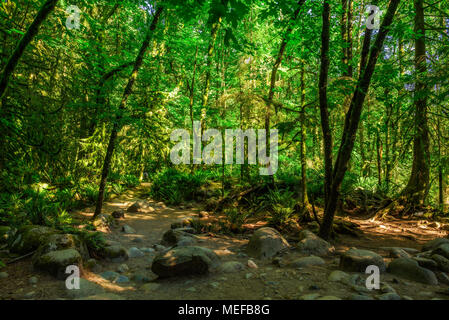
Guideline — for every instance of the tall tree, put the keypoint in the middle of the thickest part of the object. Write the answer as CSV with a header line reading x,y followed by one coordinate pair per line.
x,y
415,191
352,121
117,125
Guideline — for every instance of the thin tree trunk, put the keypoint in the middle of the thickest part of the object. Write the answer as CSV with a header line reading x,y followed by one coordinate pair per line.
x,y
117,126
324,112
352,122
44,11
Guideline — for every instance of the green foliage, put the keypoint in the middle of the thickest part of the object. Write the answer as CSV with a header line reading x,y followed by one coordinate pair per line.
x,y
174,187
280,215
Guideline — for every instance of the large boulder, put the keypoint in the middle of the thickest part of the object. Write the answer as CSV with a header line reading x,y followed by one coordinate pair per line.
x,y
57,242
176,236
266,243
442,250
309,243
307,261
409,269
114,253
357,260
56,262
29,238
435,243
183,261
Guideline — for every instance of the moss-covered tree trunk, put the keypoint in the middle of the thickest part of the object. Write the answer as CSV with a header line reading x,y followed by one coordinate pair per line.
x,y
117,125
415,191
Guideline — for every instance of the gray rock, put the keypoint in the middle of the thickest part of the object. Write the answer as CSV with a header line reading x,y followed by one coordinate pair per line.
x,y
56,262
135,253
426,263
87,288
29,295
339,276
443,277
307,261
232,266
185,261
357,260
176,237
115,253
442,262
309,296
121,279
442,250
160,248
29,238
410,270
33,280
265,243
128,230
135,207
109,275
137,240
435,243
56,242
309,243
386,288
147,250
150,287
123,268
399,253
360,297
389,296
141,278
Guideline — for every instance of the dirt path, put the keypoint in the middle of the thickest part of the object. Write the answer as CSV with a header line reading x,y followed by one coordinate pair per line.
x,y
266,282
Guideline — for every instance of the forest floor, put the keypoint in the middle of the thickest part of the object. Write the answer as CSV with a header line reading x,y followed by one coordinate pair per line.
x,y
267,281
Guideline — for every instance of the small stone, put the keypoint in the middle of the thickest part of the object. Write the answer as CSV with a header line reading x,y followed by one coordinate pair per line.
x,y
128,230
147,250
123,268
329,298
109,275
338,276
360,297
159,247
252,264
150,287
29,295
307,261
386,288
389,296
135,253
137,240
231,266
121,279
141,278
33,280
357,260
309,296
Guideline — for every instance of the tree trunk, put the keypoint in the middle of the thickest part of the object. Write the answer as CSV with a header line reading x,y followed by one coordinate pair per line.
x,y
352,122
44,11
415,191
117,126
322,88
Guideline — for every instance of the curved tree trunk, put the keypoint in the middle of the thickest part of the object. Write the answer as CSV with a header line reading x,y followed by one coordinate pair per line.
x,y
117,126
